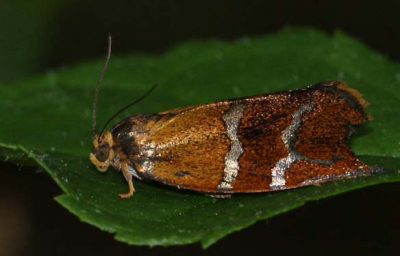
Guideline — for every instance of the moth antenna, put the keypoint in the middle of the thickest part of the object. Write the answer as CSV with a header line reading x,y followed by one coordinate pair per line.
x,y
99,82
128,106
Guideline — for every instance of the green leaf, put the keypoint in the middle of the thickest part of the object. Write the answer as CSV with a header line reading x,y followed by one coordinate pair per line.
x,y
49,124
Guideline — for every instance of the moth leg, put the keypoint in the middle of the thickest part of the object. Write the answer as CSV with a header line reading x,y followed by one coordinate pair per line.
x,y
128,178
219,195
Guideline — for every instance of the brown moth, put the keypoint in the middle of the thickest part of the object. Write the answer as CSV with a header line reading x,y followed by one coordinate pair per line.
x,y
262,143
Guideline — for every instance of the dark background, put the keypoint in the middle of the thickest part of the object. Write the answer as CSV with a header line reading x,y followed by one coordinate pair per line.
x,y
39,35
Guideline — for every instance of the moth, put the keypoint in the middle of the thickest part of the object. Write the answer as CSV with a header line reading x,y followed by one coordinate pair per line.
x,y
262,143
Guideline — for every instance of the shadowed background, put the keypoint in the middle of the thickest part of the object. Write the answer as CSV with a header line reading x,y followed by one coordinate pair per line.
x,y
36,36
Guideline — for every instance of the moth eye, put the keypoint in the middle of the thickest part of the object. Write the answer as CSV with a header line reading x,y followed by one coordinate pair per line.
x,y
102,153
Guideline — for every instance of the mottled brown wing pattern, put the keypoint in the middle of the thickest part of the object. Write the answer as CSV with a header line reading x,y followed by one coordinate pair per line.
x,y
261,143
190,147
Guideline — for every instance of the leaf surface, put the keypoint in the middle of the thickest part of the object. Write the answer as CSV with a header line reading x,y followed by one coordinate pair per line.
x,y
48,122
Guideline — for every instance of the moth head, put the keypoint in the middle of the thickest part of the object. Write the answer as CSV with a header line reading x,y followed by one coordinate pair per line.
x,y
102,153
